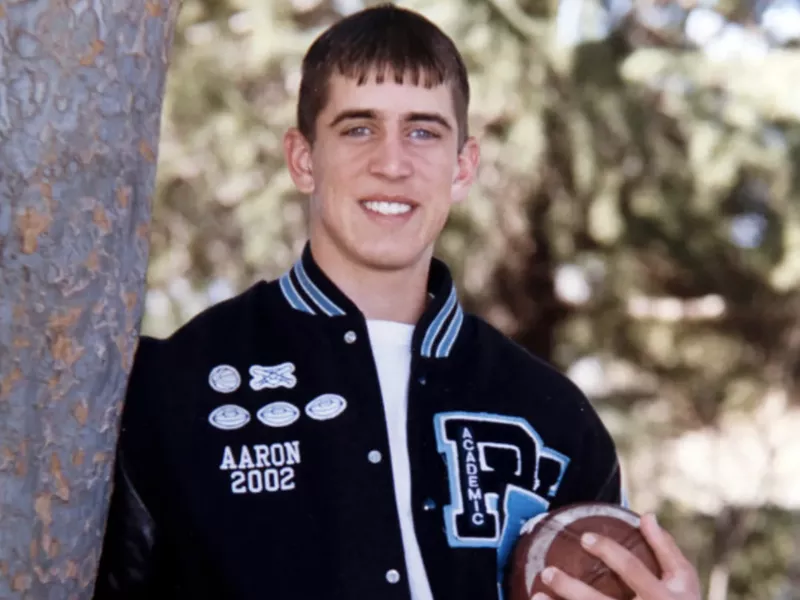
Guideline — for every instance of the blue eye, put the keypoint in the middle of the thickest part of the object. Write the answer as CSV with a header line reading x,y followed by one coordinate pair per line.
x,y
424,134
357,131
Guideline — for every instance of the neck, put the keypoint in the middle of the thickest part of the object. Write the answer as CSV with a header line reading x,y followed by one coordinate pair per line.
x,y
388,295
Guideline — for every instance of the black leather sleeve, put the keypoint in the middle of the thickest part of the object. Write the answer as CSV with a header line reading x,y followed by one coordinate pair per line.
x,y
128,561
593,474
611,489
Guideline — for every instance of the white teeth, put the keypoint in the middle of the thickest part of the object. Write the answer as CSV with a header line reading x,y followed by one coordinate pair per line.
x,y
388,208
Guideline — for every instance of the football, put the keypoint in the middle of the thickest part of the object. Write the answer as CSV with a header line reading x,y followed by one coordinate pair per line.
x,y
553,539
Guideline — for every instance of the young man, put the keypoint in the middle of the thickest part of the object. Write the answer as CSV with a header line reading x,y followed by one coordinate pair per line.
x,y
347,432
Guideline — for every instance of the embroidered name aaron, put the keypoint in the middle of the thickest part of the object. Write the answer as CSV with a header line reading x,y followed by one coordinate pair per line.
x,y
261,468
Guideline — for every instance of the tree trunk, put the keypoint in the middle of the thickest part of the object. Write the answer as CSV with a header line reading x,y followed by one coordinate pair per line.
x,y
718,582
81,94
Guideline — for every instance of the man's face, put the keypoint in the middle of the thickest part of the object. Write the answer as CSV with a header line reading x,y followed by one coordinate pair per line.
x,y
383,172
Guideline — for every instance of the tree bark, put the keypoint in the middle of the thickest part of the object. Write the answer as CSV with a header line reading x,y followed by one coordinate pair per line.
x,y
81,95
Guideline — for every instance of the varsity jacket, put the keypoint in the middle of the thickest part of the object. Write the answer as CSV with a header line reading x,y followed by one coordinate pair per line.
x,y
253,459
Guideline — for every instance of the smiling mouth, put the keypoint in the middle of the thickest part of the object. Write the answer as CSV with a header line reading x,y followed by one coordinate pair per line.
x,y
389,207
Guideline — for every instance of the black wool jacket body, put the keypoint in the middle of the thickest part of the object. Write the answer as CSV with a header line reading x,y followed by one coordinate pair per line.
x,y
253,460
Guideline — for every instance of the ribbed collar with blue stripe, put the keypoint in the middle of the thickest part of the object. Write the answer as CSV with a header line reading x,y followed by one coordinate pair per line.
x,y
307,289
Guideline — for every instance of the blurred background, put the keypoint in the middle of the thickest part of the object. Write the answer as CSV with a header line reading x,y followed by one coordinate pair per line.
x,y
636,223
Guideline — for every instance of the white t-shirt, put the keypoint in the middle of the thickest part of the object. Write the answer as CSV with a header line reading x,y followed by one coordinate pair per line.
x,y
391,346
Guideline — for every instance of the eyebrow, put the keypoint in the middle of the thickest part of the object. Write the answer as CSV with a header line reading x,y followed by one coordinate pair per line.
x,y
414,117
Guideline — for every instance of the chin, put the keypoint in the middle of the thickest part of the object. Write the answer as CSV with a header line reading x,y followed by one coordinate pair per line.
x,y
390,257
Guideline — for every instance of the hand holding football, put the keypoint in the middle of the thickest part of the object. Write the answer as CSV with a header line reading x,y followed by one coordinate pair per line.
x,y
554,539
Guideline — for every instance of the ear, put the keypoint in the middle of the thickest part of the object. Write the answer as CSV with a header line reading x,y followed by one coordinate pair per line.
x,y
297,152
466,170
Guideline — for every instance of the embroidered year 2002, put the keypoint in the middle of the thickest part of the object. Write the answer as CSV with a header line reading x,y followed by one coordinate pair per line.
x,y
261,467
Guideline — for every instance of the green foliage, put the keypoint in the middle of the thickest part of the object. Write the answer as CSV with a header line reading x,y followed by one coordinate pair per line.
x,y
628,165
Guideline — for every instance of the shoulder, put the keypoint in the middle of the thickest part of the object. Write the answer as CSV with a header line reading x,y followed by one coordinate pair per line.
x,y
216,324
220,328
536,390
226,317
509,361
557,408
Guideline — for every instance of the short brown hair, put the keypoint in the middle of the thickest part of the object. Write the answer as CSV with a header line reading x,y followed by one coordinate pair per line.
x,y
381,39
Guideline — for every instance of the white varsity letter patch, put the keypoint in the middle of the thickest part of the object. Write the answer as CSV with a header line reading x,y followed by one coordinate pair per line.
x,y
326,406
281,375
224,379
501,474
278,414
229,417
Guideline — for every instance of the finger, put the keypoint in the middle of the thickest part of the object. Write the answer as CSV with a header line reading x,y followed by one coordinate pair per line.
x,y
666,550
683,578
629,568
569,588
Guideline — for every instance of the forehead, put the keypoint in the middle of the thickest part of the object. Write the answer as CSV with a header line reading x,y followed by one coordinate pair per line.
x,y
388,97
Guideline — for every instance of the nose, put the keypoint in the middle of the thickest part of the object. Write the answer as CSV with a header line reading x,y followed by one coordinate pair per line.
x,y
390,159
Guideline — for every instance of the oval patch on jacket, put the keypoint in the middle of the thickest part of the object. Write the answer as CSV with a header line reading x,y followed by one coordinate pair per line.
x,y
278,414
326,406
229,416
